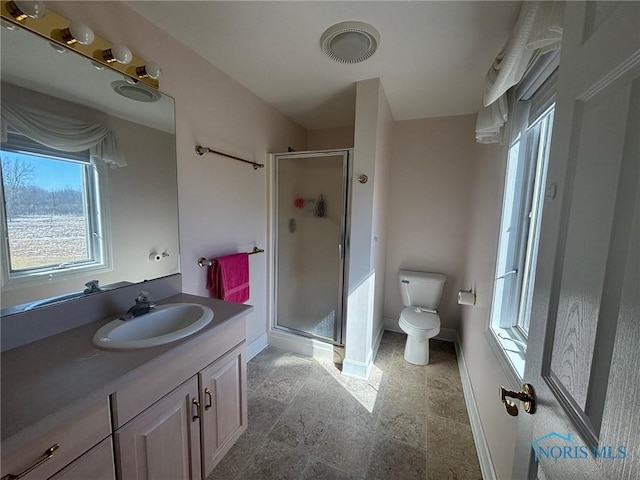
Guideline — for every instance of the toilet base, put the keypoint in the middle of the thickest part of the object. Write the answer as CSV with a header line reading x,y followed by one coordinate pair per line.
x,y
416,351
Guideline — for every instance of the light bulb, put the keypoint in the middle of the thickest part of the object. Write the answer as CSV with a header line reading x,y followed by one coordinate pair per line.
x,y
117,53
20,9
78,32
151,70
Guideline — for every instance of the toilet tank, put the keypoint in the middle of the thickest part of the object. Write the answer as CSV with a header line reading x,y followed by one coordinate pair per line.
x,y
421,289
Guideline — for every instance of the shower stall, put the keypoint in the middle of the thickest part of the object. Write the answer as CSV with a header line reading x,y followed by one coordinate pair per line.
x,y
310,238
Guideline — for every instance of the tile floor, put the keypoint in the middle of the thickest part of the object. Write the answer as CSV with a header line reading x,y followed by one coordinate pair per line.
x,y
306,421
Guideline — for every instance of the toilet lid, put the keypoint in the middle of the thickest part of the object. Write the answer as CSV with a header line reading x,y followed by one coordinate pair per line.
x,y
420,320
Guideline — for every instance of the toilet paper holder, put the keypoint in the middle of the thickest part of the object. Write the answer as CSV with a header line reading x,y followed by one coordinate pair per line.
x,y
156,257
466,297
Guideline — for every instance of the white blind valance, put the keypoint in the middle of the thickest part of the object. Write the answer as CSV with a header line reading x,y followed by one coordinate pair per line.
x,y
62,133
538,30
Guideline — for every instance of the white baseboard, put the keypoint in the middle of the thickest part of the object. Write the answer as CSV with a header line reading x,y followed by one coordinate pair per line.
x,y
257,346
361,370
482,447
391,324
446,334
353,368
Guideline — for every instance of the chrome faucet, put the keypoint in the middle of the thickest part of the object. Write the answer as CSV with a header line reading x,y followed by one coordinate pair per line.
x,y
143,305
92,287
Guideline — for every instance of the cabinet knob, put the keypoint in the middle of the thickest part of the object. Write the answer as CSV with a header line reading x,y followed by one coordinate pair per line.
x,y
43,458
195,404
209,399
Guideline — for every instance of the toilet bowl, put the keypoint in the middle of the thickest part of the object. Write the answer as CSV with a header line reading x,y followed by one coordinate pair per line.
x,y
421,293
419,326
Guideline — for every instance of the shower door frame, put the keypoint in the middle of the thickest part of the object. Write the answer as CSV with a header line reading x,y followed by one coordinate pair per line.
x,y
339,326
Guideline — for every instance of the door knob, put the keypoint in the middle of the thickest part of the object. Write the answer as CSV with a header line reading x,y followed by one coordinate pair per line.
x,y
526,396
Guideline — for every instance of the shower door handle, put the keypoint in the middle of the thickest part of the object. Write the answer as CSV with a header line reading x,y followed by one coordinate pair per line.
x,y
340,251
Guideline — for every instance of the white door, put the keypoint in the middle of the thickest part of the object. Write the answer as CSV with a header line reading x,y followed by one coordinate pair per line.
x,y
583,358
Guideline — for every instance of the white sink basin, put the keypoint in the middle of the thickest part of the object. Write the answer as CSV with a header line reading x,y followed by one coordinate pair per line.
x,y
163,324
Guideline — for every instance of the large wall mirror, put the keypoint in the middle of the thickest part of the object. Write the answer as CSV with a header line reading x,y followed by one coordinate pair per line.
x,y
108,212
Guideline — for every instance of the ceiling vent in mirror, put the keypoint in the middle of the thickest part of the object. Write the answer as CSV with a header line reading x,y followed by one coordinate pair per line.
x,y
136,92
350,42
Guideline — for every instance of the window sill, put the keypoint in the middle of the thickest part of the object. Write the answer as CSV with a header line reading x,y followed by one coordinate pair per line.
x,y
509,356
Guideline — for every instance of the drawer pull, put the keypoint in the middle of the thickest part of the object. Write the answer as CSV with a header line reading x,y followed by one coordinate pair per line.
x,y
209,399
45,456
196,404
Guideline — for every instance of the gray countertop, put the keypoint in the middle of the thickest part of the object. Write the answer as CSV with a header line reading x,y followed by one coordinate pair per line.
x,y
45,382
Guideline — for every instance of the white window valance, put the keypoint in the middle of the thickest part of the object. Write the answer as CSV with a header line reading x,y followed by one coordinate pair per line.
x,y
62,133
538,30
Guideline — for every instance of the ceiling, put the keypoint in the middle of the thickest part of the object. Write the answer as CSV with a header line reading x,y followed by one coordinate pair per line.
x,y
432,58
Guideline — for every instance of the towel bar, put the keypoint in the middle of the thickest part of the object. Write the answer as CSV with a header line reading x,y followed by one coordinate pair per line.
x,y
203,262
200,150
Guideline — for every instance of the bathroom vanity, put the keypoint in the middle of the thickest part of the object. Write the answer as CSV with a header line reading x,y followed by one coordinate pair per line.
x,y
75,411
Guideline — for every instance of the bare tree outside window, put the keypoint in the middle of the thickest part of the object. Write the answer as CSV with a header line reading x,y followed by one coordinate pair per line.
x,y
17,176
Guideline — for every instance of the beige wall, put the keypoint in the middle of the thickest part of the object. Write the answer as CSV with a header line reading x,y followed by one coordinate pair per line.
x,y
488,167
429,206
222,203
329,138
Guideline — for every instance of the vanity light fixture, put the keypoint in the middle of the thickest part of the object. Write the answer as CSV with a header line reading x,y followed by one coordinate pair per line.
x,y
73,35
150,69
23,9
117,53
78,32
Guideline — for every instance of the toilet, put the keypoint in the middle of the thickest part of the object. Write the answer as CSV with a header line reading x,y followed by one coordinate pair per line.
x,y
421,292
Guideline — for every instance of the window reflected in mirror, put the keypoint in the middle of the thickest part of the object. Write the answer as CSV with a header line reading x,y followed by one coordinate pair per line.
x,y
53,213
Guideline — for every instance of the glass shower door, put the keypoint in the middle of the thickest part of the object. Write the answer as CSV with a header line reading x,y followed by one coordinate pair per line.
x,y
311,200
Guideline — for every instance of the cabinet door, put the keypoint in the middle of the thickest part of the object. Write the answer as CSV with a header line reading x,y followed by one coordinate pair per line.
x,y
223,394
96,464
163,442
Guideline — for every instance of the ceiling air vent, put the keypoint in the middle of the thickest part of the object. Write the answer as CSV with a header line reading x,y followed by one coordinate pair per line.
x,y
350,42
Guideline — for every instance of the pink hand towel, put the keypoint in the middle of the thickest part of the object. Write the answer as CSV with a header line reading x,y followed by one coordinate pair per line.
x,y
228,278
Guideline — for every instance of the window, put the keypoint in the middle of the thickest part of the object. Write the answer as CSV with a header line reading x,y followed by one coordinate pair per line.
x,y
51,215
524,194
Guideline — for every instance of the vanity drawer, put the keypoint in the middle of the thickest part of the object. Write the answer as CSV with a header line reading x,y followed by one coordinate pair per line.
x,y
172,371
96,464
74,438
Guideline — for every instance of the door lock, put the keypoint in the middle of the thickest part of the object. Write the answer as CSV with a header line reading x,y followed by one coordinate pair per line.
x,y
526,396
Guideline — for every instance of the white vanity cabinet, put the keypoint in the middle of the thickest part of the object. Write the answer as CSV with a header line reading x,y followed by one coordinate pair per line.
x,y
81,444
224,405
171,411
164,440
184,432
